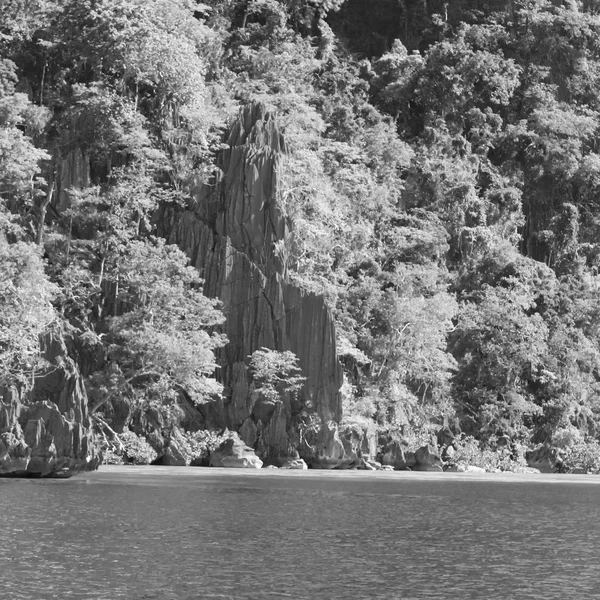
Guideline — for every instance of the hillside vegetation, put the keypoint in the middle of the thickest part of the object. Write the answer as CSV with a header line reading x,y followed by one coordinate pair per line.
x,y
441,187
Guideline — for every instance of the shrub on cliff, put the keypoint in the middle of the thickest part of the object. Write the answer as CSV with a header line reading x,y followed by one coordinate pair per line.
x,y
25,310
201,444
163,340
275,373
136,450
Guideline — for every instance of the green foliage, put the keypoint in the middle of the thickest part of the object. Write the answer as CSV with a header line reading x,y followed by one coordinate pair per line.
x,y
501,350
107,123
467,451
440,190
577,453
201,444
161,338
275,373
25,311
19,158
136,450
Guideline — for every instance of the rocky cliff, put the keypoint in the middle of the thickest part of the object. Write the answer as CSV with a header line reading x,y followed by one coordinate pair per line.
x,y
233,234
47,432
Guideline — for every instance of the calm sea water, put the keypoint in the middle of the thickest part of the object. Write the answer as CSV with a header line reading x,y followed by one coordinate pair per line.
x,y
167,533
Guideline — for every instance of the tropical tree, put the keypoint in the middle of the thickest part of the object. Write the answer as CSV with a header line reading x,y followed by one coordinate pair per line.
x,y
275,373
26,311
162,337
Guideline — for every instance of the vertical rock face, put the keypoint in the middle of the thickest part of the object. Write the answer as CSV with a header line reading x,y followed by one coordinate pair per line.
x,y
47,432
233,235
73,171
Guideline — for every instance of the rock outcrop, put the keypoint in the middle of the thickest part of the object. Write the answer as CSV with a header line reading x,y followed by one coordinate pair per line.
x,y
360,442
177,452
233,453
332,446
295,464
394,453
322,448
47,432
73,172
544,458
234,234
427,458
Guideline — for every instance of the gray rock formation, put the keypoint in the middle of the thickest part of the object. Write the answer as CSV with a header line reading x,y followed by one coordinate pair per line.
x,y
177,452
360,442
427,459
233,234
295,464
395,453
544,458
233,453
333,446
323,448
73,172
47,432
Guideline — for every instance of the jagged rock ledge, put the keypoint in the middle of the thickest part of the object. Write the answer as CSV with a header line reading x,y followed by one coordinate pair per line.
x,y
47,432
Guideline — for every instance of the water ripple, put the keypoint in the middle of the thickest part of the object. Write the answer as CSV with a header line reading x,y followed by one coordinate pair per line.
x,y
170,534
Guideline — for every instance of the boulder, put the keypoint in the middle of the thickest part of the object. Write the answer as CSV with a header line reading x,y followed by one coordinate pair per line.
x,y
177,452
396,455
449,453
394,452
157,441
427,459
545,458
474,469
295,464
233,453
322,448
372,465
174,457
15,454
359,441
520,469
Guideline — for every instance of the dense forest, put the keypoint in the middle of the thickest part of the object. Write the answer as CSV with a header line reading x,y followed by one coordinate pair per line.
x,y
438,185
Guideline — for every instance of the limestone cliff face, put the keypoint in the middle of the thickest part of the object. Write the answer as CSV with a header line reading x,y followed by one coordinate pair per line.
x,y
233,234
73,171
47,432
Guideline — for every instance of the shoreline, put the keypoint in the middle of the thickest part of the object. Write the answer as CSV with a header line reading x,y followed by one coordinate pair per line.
x,y
107,472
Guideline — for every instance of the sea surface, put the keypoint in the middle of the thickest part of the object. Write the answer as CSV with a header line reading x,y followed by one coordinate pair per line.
x,y
167,533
